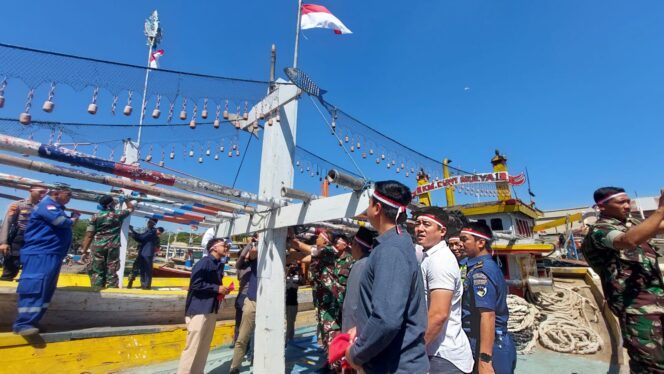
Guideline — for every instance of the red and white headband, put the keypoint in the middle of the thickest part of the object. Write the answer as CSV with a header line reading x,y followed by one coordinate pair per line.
x,y
475,233
362,243
432,218
389,202
324,235
606,199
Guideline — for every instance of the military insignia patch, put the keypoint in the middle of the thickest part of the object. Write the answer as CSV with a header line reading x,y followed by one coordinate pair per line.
x,y
51,207
481,291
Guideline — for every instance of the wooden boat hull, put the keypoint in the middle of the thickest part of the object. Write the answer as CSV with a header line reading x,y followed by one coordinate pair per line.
x,y
81,307
168,272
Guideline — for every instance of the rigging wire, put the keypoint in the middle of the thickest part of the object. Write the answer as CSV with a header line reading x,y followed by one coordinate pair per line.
x,y
80,124
244,154
337,136
40,51
329,105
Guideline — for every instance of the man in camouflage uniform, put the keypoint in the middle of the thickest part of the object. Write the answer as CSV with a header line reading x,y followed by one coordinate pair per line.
x,y
321,270
12,230
329,270
343,265
104,233
617,249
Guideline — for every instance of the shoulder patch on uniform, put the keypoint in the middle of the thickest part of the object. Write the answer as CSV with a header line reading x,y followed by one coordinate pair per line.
x,y
51,207
480,291
479,276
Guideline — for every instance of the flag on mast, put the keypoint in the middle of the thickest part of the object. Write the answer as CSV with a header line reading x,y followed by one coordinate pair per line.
x,y
154,58
318,17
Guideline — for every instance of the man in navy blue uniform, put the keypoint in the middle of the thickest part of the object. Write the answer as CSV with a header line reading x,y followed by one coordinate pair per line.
x,y
203,299
148,244
485,312
47,239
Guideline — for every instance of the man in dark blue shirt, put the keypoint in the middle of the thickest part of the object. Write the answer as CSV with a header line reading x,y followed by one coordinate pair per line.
x,y
485,313
47,239
392,314
203,299
148,244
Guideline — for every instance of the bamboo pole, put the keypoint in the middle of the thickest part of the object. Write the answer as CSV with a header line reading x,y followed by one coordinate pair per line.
x,y
119,183
196,185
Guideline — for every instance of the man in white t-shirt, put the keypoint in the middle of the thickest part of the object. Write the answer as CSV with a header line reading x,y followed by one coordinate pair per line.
x,y
447,345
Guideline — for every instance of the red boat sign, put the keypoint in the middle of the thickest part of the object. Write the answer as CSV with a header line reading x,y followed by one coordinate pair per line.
x,y
499,176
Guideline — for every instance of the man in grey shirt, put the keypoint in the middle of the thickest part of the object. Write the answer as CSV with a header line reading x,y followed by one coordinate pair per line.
x,y
360,249
391,315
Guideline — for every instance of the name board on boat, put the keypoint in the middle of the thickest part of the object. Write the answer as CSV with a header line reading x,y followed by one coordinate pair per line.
x,y
499,176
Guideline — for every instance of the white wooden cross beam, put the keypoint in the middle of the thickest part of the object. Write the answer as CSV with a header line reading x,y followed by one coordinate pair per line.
x,y
276,172
324,209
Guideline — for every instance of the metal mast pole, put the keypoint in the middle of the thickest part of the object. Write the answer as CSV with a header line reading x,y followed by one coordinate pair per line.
x,y
145,91
153,33
297,32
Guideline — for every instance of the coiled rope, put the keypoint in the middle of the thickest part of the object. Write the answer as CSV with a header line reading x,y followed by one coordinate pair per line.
x,y
560,320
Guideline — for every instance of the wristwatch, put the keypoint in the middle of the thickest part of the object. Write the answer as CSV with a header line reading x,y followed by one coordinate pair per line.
x,y
485,357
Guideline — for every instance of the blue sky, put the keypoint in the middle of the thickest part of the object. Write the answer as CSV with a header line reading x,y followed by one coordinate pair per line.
x,y
571,90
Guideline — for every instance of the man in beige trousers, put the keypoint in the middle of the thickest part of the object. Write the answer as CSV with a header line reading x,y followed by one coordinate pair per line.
x,y
203,299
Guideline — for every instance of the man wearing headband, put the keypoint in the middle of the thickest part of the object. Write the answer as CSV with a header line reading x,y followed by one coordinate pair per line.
x,y
617,248
391,315
103,232
360,250
447,344
456,247
48,237
485,313
13,229
323,260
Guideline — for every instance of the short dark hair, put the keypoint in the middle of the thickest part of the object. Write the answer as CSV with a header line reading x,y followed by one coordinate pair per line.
x,y
213,242
59,187
439,213
340,236
456,221
105,201
160,229
604,192
367,236
396,192
482,228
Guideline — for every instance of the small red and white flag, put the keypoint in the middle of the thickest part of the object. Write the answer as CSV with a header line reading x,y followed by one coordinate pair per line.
x,y
318,17
155,57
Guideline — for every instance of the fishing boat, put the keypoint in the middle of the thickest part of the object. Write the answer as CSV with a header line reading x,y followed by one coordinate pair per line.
x,y
166,271
77,305
516,247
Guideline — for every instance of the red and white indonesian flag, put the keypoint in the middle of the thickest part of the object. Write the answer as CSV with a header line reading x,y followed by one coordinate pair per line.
x,y
318,17
155,57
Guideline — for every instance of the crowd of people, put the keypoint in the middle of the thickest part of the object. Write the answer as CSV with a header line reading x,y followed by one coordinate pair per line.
x,y
433,302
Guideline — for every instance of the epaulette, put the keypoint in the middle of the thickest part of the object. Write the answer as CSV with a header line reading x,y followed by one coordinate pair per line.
x,y
478,265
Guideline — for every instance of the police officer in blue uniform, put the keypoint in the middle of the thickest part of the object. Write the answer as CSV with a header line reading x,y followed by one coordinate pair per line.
x,y
485,313
48,237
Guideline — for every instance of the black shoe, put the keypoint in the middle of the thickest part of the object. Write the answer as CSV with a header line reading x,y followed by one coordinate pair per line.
x,y
234,371
131,282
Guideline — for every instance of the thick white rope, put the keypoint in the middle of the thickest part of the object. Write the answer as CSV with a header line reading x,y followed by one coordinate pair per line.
x,y
566,326
522,324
